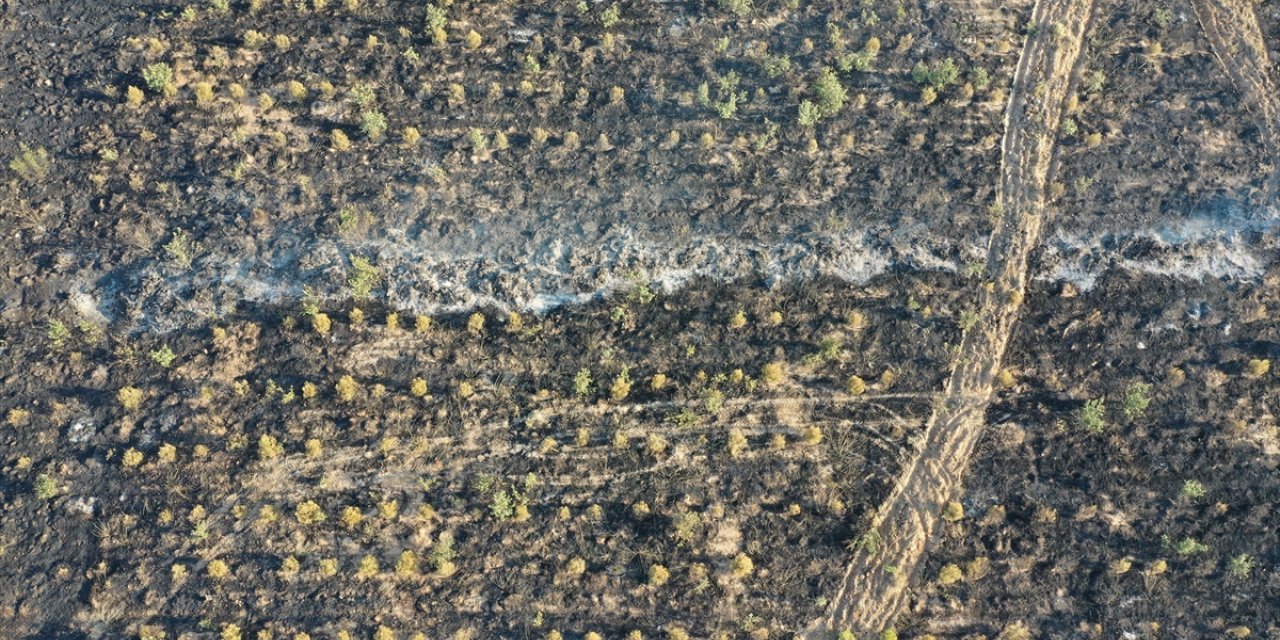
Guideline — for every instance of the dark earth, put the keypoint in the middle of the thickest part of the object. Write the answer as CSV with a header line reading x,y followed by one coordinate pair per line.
x,y
187,247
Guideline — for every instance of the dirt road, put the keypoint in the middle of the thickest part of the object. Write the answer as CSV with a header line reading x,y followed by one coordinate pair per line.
x,y
1232,29
875,586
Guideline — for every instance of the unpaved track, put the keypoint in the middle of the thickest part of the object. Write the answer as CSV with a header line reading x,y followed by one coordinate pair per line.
x,y
1233,32
875,586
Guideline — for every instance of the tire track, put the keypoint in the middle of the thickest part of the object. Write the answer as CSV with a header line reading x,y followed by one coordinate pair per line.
x,y
284,481
875,585
1236,39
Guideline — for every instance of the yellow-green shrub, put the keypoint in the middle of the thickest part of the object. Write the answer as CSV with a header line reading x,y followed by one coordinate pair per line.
x,y
418,387
269,447
309,513
347,387
321,323
130,398
773,373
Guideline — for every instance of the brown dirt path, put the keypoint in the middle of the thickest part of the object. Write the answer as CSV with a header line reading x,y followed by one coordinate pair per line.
x,y
875,586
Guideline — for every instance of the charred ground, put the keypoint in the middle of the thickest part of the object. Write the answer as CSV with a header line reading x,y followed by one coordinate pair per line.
x,y
179,245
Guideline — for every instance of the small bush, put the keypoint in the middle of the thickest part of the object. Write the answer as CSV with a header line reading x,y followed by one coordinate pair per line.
x,y
57,332
45,486
830,93
856,386
475,323
269,448
418,387
352,517
502,505
253,39
362,277
774,66
179,249
1092,415
17,417
1016,630
309,513
953,512
465,389
368,568
860,61
373,124
950,574
1094,81
347,388
812,435
1137,397
327,567
203,93
1189,547
773,373
621,386
152,632
407,564
1121,566
658,575
164,356
132,458
1239,567
218,570
611,16
134,97
130,398
737,443
157,76
808,114
436,18
937,77
339,140
410,136
321,323
30,164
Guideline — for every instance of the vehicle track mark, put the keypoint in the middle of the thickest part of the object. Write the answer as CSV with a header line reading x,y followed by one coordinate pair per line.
x,y
876,583
1236,39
